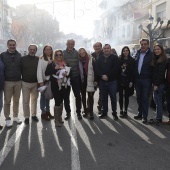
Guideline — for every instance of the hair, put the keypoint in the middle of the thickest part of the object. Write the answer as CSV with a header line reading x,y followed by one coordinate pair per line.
x,y
10,40
98,43
58,50
70,40
125,47
106,45
114,51
85,52
33,45
162,55
44,55
144,39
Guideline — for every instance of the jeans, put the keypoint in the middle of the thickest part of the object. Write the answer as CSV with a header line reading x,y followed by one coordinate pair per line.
x,y
1,100
143,89
168,101
75,83
157,95
44,104
108,88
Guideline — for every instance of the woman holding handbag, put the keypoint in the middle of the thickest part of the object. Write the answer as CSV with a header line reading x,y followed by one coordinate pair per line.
x,y
44,60
60,90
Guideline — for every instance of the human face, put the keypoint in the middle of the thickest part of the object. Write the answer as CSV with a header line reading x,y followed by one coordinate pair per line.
x,y
70,45
58,56
157,50
107,50
48,51
11,46
125,52
82,53
32,50
97,47
144,46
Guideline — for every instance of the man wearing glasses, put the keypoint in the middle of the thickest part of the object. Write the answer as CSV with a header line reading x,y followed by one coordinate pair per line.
x,y
143,75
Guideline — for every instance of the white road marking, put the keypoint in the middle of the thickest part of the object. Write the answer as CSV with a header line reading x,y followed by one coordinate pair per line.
x,y
75,161
11,142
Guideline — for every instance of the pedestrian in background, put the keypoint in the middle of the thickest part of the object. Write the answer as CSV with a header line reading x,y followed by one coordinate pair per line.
x,y
159,63
1,87
44,60
62,94
126,79
143,79
83,67
72,60
12,86
29,64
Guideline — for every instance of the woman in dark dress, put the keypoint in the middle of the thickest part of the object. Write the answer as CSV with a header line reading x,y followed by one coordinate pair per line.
x,y
126,80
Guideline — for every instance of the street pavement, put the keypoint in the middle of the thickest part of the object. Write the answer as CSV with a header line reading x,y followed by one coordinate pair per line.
x,y
101,144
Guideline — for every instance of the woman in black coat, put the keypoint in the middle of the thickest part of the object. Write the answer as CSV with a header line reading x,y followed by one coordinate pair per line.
x,y
159,63
126,79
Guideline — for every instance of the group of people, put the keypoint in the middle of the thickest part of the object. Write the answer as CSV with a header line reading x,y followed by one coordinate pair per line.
x,y
62,70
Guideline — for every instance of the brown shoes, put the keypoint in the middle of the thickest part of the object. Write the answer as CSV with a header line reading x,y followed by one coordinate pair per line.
x,y
166,122
49,115
45,117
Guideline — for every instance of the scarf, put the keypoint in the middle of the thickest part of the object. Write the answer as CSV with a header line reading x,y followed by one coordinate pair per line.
x,y
85,67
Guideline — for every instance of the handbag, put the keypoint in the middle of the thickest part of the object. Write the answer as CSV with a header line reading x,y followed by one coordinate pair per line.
x,y
48,93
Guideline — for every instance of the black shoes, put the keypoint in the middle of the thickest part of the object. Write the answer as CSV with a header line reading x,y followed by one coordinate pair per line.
x,y
138,117
67,116
35,118
115,116
144,120
1,127
27,121
102,115
79,116
123,114
155,121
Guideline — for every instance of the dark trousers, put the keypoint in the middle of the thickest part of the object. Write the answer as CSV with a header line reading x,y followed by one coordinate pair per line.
x,y
168,101
123,91
143,90
75,83
108,88
90,101
61,95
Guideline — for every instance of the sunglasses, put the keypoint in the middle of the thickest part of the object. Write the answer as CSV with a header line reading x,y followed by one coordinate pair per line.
x,y
58,55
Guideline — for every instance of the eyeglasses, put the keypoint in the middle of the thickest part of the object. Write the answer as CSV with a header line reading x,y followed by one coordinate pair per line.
x,y
58,55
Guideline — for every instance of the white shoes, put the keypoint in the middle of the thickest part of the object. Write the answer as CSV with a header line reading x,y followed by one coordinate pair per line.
x,y
8,123
17,120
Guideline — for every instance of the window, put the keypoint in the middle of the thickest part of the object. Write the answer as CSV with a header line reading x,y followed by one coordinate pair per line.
x,y
161,11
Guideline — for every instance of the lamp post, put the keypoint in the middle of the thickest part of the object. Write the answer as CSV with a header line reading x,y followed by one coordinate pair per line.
x,y
152,33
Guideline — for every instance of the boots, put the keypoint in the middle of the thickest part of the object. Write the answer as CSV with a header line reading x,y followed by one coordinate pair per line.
x,y
57,114
60,117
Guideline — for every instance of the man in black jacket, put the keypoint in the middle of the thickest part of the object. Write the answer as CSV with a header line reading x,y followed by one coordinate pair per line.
x,y
143,79
12,86
107,68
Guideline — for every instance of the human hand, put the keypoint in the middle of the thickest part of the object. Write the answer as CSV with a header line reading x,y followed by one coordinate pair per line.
x,y
104,77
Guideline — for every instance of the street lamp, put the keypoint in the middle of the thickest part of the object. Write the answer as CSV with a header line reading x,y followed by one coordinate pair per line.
x,y
153,33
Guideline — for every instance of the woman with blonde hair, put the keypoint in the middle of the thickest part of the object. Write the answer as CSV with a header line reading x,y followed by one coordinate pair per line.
x,y
63,94
83,67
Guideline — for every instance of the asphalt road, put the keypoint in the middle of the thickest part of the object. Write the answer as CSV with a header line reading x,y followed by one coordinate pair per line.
x,y
101,144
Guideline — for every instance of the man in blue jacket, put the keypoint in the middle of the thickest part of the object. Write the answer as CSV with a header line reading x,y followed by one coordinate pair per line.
x,y
143,76
107,68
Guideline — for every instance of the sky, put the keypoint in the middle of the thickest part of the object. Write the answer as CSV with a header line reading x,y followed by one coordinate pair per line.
x,y
75,16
